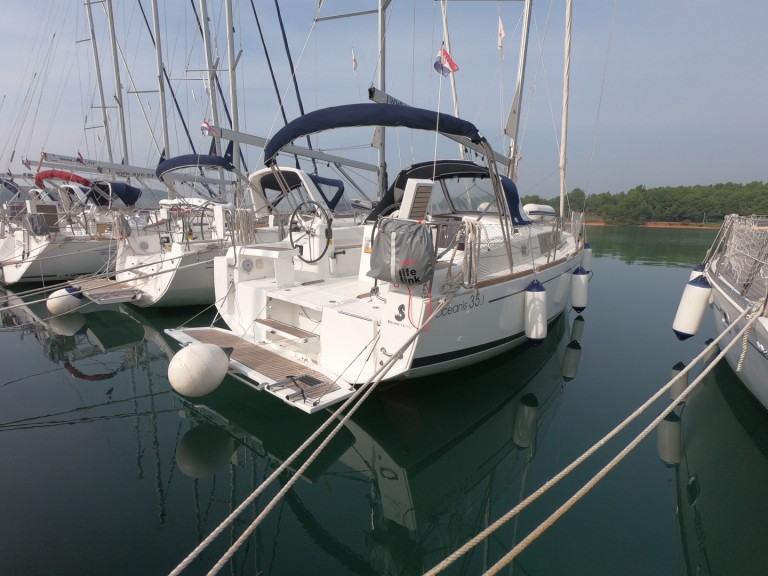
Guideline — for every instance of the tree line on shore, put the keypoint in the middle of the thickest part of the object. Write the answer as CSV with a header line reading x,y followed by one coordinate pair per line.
x,y
679,204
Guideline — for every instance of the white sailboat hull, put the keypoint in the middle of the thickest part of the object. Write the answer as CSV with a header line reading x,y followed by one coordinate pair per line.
x,y
28,258
739,276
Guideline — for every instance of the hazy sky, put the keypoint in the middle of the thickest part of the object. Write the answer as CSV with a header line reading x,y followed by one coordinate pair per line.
x,y
663,92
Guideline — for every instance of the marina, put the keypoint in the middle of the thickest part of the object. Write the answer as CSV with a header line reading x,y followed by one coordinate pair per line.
x,y
106,460
443,310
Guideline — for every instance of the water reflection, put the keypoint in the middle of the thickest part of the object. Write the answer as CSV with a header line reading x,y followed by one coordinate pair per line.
x,y
716,446
416,472
69,339
419,469
650,246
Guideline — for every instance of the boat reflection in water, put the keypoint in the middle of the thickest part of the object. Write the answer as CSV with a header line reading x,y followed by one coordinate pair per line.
x,y
716,444
72,338
417,470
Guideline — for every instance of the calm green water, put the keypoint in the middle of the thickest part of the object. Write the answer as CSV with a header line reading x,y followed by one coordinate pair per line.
x,y
107,471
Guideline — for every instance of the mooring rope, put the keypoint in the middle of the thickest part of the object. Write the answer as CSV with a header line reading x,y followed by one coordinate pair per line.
x,y
573,465
353,402
615,461
745,339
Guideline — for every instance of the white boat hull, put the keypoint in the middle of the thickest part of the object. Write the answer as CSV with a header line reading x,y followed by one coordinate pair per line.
x,y
28,258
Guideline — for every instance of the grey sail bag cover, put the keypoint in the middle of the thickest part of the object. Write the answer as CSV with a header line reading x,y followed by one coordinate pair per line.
x,y
402,252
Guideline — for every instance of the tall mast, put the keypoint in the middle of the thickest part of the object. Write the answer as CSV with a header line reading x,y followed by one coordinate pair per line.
x,y
209,65
99,82
444,7
566,87
513,121
118,83
382,172
161,80
232,58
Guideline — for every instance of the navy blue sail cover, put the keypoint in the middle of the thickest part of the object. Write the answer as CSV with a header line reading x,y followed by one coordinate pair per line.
x,y
195,160
100,193
351,115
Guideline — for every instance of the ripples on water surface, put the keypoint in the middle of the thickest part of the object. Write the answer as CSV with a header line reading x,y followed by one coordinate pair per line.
x,y
107,471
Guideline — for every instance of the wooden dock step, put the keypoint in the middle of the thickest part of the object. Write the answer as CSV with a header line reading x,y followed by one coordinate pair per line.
x,y
106,290
264,369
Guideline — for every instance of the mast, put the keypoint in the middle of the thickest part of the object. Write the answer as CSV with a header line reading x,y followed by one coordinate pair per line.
x,y
513,121
99,81
161,80
566,87
118,83
233,59
209,65
444,7
380,132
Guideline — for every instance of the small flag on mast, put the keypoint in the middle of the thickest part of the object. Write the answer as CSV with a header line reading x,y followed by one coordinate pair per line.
x,y
80,158
444,64
207,129
354,61
501,35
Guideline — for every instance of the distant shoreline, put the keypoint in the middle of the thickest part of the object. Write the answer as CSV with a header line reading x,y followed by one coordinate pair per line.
x,y
657,225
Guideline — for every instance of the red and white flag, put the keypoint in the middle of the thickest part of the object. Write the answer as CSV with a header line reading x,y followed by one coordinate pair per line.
x,y
501,35
207,129
354,61
444,64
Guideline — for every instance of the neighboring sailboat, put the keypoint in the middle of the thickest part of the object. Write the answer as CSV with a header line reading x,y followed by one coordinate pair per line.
x,y
733,280
58,234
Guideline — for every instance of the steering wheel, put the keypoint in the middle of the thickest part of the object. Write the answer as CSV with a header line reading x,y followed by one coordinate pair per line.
x,y
302,226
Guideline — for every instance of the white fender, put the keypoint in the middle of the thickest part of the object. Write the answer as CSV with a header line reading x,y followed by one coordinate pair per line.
x,y
198,369
535,312
64,300
693,304
579,289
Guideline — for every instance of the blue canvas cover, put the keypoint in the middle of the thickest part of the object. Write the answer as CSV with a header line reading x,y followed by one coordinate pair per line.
x,y
195,160
351,115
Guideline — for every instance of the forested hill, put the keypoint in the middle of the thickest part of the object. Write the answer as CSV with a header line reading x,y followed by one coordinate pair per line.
x,y
683,204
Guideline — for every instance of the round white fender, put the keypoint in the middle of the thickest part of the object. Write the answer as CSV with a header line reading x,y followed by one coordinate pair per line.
x,y
571,359
669,440
535,312
203,450
586,257
579,289
64,300
198,369
693,304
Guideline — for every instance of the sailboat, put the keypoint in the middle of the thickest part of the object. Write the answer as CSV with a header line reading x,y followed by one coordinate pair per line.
x,y
448,270
59,233
733,282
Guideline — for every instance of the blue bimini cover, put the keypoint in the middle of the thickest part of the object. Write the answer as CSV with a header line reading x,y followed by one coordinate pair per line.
x,y
352,115
194,160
